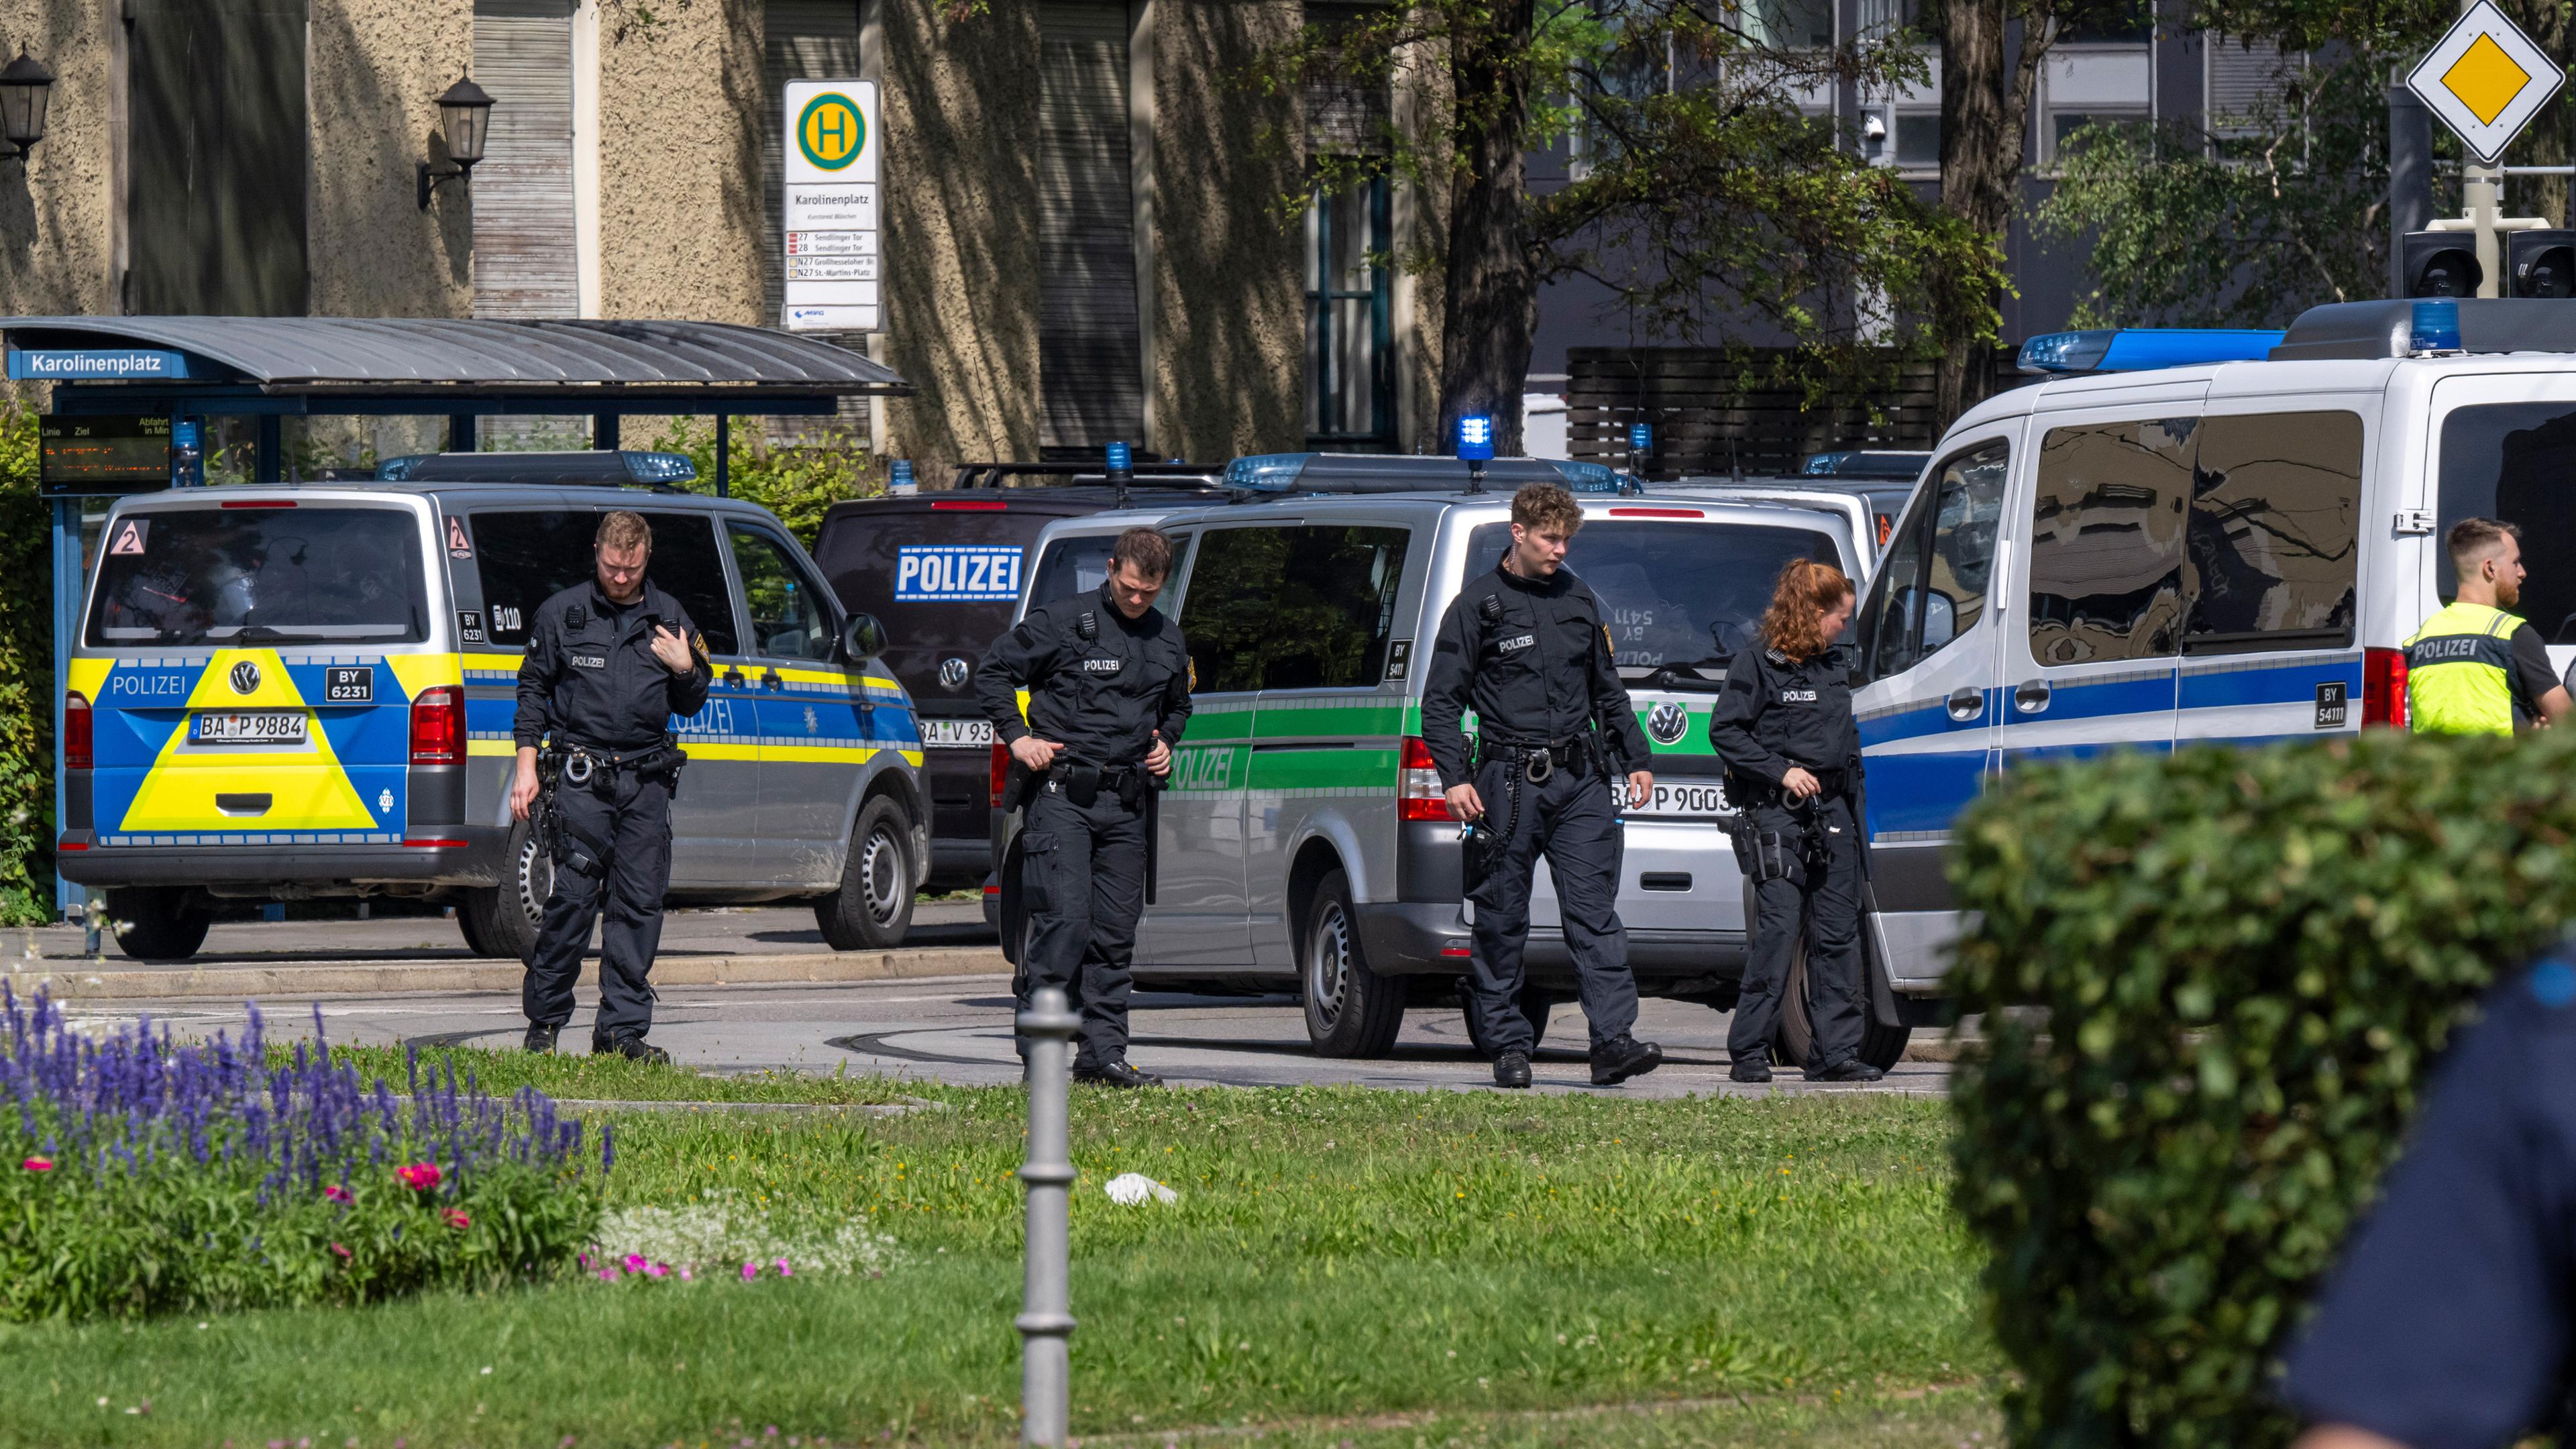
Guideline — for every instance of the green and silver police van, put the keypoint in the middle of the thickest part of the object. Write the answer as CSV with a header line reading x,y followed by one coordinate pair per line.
x,y
289,691
1303,843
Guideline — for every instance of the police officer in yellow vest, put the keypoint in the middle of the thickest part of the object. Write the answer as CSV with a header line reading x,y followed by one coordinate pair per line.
x,y
2474,668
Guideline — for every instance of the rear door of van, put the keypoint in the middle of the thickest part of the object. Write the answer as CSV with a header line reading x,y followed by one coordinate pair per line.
x,y
252,665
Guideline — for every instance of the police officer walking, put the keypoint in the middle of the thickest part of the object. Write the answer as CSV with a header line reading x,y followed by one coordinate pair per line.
x,y
1108,681
1783,726
1524,646
608,663
2474,668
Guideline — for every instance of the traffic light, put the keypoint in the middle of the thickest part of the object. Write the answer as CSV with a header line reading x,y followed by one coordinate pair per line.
x,y
2540,263
2442,264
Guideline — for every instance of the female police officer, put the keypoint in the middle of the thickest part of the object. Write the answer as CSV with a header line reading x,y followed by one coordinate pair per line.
x,y
1784,728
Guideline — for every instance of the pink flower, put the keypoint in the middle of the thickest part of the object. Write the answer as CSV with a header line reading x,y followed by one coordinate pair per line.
x,y
38,1164
343,1252
336,1193
658,1270
685,1274
635,1262
607,1275
456,1218
420,1176
750,1270
782,1269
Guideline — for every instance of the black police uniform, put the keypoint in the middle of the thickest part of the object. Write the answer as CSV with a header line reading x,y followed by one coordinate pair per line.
x,y
1103,686
2450,1320
1804,857
1532,658
591,683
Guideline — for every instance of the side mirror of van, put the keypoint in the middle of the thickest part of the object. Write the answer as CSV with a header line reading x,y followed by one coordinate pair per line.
x,y
862,637
1940,620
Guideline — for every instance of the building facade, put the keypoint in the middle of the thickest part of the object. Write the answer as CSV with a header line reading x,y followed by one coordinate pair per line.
x,y
1091,229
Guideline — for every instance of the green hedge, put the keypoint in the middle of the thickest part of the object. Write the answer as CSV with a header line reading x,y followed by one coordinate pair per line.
x,y
26,678
2213,983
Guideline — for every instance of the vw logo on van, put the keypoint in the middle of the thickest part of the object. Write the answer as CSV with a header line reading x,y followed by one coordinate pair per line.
x,y
953,671
1667,723
245,677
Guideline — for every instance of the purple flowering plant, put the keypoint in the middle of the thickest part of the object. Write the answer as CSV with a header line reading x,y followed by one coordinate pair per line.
x,y
218,1175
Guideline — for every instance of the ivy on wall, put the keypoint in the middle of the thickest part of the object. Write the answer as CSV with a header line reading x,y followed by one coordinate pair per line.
x,y
26,678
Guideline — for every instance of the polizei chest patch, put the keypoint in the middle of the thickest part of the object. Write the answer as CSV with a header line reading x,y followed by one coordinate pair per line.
x,y
590,661
1102,666
1797,696
1516,643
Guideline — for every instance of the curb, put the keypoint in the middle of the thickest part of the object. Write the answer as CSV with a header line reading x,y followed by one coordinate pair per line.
x,y
72,983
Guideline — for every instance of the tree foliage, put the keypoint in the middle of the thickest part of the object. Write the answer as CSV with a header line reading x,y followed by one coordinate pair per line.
x,y
2247,229
1704,199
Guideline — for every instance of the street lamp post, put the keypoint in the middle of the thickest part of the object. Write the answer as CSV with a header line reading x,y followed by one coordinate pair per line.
x,y
25,86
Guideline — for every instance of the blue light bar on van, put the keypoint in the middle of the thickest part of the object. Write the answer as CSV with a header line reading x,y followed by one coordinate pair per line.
x,y
2434,325
661,467
1587,477
2143,349
1265,470
1475,439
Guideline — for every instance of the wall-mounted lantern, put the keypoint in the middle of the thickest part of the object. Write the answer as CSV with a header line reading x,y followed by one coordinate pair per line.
x,y
465,115
25,84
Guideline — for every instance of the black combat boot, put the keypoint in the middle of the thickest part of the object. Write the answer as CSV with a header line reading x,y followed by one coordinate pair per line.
x,y
1617,1060
1511,1069
1851,1069
1116,1074
633,1047
540,1037
1750,1069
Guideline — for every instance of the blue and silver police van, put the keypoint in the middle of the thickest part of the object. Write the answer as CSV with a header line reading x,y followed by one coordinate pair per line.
x,y
2195,538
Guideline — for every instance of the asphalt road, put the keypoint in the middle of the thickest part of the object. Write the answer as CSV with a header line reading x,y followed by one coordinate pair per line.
x,y
958,1030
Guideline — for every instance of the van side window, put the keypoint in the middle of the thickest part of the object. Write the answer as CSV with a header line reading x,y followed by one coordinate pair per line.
x,y
1293,608
1931,588
788,621
527,557
2274,539
2511,461
2106,541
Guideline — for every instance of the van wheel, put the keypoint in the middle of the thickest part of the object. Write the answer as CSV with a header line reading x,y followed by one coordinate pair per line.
x,y
157,923
471,928
1351,1011
506,917
873,907
1880,1046
1535,1006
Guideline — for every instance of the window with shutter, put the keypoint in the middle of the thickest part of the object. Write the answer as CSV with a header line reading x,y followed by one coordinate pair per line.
x,y
525,257
219,133
1091,383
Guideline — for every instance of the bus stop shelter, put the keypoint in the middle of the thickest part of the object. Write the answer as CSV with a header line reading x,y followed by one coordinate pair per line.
x,y
169,377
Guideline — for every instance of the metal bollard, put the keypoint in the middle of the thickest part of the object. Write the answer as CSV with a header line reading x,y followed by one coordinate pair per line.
x,y
1046,1312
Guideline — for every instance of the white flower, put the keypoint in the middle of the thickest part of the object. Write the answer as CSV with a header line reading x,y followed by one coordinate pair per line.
x,y
721,1229
1129,1189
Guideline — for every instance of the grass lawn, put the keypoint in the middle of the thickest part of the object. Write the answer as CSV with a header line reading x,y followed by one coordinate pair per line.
x,y
1344,1265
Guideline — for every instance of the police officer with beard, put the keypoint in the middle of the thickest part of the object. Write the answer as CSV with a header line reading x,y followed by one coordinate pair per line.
x,y
1108,681
608,663
1784,728
1524,646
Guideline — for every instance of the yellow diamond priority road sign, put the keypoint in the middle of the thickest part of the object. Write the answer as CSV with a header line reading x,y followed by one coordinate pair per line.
x,y
2486,80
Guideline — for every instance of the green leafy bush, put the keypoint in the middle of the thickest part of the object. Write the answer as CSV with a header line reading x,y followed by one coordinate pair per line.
x,y
795,481
26,679
2213,983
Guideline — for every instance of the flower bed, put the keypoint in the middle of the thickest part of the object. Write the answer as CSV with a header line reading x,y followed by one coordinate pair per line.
x,y
142,1176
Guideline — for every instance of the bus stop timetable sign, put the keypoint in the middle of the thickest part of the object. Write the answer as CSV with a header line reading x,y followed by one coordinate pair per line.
x,y
832,222
2486,79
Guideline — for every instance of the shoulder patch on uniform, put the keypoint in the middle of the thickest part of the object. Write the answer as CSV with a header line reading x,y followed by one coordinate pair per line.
x,y
699,643
1608,646
1194,676
2553,983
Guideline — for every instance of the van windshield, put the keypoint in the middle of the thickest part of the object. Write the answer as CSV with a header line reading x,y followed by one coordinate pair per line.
x,y
2512,461
260,575
1680,597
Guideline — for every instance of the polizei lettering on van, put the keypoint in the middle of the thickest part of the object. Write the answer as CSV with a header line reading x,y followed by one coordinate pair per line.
x,y
931,573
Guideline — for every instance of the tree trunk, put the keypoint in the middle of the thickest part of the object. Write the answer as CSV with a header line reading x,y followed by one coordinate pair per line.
x,y
1490,303
1985,124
